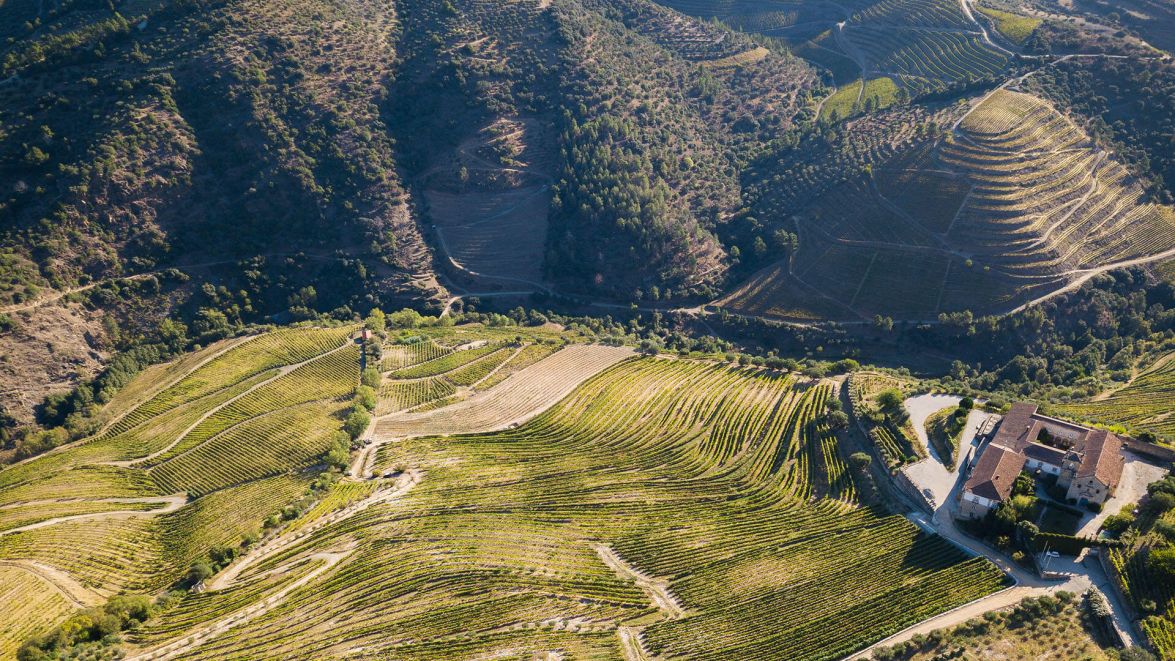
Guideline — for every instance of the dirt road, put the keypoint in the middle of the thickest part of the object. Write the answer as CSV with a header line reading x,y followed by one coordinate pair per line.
x,y
167,504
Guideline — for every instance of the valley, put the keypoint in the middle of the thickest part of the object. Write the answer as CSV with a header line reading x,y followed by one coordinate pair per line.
x,y
587,329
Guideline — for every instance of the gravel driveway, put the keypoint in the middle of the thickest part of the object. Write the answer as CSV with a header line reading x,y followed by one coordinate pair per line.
x,y
1136,474
932,476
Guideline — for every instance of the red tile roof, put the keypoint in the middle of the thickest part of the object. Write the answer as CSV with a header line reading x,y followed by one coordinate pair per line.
x,y
995,472
1016,429
1102,458
1015,439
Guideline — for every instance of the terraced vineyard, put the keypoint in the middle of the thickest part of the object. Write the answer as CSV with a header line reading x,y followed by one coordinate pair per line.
x,y
925,44
1145,404
1147,589
221,443
1016,203
587,503
922,45
888,429
453,374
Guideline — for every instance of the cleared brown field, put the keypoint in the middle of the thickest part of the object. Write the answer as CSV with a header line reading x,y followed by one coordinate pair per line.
x,y
523,395
490,197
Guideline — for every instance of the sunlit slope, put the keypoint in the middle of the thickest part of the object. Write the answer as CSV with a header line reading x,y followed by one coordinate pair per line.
x,y
196,455
661,506
682,507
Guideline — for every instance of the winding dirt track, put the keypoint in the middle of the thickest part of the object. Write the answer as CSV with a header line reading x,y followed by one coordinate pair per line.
x,y
179,377
630,644
74,592
229,577
521,396
179,648
656,588
282,371
169,504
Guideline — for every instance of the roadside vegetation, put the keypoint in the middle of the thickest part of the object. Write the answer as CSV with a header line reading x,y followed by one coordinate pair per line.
x,y
944,428
877,406
1144,567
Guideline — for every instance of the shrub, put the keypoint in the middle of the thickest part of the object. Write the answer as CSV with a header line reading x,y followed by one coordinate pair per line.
x,y
1135,654
365,397
371,377
1161,561
1117,523
376,322
339,454
890,399
845,365
198,572
838,419
1166,529
860,461
406,318
86,629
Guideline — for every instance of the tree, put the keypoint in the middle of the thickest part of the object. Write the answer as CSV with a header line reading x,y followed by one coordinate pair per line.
x,y
1027,531
1005,518
371,377
198,573
1161,562
173,334
339,454
838,419
1025,485
376,322
35,156
1161,501
356,422
406,318
1117,523
759,247
211,324
845,365
860,461
1133,653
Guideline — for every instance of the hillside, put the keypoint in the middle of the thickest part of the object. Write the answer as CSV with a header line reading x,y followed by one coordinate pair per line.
x,y
704,311
1143,404
1014,201
239,142
586,501
183,169
315,157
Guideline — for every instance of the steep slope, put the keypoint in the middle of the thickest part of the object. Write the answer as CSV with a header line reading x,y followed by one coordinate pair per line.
x,y
164,134
288,155
590,145
237,141
1012,204
594,502
653,144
